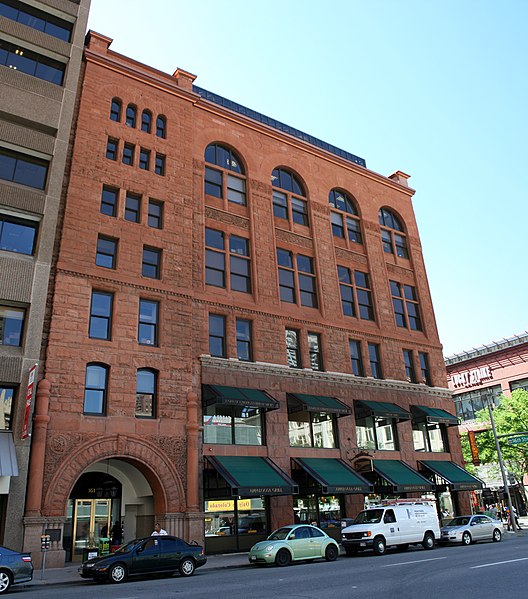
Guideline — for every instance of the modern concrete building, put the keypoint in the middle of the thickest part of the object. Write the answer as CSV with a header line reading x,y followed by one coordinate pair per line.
x,y
40,60
242,333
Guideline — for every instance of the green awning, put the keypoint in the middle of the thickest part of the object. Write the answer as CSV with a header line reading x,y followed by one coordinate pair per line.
x,y
433,416
253,476
402,477
237,396
334,476
381,409
457,478
299,402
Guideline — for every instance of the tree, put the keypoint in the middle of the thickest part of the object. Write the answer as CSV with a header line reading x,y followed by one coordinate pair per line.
x,y
511,416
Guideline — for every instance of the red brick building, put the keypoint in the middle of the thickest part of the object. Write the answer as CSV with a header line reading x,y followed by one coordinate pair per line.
x,y
242,331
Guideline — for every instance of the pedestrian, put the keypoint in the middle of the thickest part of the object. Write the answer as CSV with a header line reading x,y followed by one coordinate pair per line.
x,y
117,533
516,517
158,531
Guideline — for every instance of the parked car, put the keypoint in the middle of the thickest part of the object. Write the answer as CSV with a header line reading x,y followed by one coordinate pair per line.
x,y
145,556
15,568
401,524
470,529
295,542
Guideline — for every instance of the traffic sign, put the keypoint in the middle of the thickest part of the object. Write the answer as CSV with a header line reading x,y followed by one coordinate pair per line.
x,y
518,440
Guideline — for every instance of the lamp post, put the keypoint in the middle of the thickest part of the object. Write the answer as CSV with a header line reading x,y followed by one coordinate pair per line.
x,y
488,394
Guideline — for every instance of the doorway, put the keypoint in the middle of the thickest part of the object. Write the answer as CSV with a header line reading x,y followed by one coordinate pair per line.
x,y
91,522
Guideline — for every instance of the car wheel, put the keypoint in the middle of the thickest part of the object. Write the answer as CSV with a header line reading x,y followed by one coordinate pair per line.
x,y
403,547
5,581
117,573
428,541
466,538
283,558
331,553
350,551
187,567
497,536
379,546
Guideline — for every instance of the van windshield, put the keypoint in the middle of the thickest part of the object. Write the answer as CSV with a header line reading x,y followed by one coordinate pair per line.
x,y
369,517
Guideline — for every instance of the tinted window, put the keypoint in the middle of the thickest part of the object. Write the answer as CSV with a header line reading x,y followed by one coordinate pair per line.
x,y
23,169
31,63
173,545
17,235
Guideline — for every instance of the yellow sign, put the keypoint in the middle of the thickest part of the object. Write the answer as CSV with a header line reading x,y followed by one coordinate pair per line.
x,y
228,505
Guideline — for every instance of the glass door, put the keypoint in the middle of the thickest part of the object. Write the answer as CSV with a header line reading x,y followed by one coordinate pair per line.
x,y
91,521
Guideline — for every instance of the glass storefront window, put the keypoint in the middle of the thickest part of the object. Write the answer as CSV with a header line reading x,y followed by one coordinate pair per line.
x,y
312,429
468,404
232,425
323,511
376,433
323,430
224,518
299,430
429,437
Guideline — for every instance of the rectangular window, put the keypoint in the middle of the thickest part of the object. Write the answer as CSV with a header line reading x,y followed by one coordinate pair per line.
x,y
299,211
338,230
213,182
411,303
293,349
356,357
239,264
111,149
109,201
128,154
148,322
355,292
424,367
233,425
244,340
101,315
146,393
405,304
364,296
11,325
144,159
36,19
400,243
21,59
217,336
159,166
236,190
17,234
354,230
429,437
316,355
155,214
398,305
312,429
151,265
25,170
375,360
410,373
215,266
133,207
307,282
106,254
346,290
376,433
280,205
95,390
286,276
6,407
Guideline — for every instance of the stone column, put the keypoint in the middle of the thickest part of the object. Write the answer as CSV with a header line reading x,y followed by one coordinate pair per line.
x,y
193,461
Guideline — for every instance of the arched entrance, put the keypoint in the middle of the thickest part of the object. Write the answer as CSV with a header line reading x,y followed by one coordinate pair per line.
x,y
111,503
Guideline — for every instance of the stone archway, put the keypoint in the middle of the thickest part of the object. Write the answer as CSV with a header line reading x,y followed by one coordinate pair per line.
x,y
149,459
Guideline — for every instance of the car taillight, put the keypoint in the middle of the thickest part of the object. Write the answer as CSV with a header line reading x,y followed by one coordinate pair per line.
x,y
26,558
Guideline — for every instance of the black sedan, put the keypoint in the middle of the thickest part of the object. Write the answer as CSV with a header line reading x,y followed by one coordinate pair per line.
x,y
142,557
15,567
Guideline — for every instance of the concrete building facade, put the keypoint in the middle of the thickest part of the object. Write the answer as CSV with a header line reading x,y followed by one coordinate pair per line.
x,y
242,333
41,47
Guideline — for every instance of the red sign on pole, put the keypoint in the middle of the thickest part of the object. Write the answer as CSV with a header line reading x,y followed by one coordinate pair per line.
x,y
29,399
474,448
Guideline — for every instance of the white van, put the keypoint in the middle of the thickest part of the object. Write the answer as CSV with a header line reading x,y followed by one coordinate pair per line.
x,y
402,524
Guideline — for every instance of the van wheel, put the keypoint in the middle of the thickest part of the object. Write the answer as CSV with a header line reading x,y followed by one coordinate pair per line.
x,y
496,535
403,547
379,546
350,551
466,538
428,541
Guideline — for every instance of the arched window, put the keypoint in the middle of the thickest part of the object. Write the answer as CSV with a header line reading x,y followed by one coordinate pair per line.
x,y
95,389
226,181
146,121
392,234
115,110
344,225
131,115
146,393
289,203
161,126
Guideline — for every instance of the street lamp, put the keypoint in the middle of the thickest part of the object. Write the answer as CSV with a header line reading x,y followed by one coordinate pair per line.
x,y
488,395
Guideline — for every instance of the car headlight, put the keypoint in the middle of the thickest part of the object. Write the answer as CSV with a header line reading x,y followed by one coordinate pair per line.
x,y
89,565
269,547
367,533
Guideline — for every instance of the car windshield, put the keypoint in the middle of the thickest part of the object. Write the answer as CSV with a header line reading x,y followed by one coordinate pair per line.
x,y
280,534
459,521
369,517
126,548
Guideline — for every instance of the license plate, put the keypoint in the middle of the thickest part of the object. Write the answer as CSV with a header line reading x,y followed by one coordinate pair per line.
x,y
254,558
362,544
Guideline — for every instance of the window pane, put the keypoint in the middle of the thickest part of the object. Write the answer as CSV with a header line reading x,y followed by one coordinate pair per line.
x,y
6,405
284,258
11,324
248,426
238,245
365,437
385,434
31,173
17,235
304,263
214,239
323,430
146,381
299,429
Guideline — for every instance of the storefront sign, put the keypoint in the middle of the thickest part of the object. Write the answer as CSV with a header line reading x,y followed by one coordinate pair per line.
x,y
29,399
228,505
472,378
474,449
265,490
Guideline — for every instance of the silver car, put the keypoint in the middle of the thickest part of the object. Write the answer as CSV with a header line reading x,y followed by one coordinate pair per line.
x,y
470,529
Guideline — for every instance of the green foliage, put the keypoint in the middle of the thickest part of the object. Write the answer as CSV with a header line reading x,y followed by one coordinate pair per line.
x,y
511,416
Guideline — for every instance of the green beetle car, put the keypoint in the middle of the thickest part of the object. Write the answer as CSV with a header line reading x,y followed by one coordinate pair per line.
x,y
296,542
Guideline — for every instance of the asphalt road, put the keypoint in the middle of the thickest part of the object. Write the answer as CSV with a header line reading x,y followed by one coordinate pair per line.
x,y
484,570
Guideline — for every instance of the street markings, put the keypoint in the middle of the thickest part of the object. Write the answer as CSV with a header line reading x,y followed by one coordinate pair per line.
x,y
416,561
508,561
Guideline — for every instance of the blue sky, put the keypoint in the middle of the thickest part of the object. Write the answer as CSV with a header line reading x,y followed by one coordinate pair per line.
x,y
438,90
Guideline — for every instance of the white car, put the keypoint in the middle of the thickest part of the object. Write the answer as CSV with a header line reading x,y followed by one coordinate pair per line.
x,y
470,529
